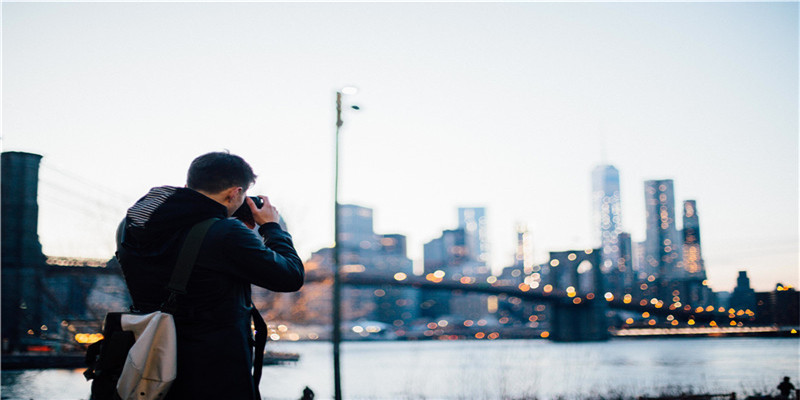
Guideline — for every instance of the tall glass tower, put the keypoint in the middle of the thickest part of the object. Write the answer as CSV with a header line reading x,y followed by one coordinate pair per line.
x,y
663,247
692,256
473,221
607,213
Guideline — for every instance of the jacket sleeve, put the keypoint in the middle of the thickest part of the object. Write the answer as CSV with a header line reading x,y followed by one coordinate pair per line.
x,y
272,263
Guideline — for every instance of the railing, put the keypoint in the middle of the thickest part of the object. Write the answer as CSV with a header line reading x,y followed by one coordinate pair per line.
x,y
730,396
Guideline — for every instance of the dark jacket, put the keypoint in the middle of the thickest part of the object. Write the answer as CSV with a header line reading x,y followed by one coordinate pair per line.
x,y
213,317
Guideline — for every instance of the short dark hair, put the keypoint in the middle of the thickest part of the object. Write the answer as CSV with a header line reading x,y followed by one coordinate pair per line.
x,y
217,171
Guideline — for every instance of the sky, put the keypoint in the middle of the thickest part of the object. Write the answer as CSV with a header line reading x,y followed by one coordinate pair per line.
x,y
507,106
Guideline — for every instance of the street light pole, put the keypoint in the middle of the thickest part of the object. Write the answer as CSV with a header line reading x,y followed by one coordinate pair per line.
x,y
337,290
336,336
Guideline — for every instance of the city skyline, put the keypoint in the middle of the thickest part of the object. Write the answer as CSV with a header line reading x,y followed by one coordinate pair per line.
x,y
502,106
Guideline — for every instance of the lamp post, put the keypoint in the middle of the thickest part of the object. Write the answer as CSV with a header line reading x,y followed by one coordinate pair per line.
x,y
337,288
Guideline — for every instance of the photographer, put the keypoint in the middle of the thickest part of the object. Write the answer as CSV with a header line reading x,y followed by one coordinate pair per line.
x,y
215,353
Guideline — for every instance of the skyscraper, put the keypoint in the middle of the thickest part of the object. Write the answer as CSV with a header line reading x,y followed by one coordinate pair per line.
x,y
622,278
362,251
473,221
692,256
444,258
355,227
663,250
607,213
523,254
743,297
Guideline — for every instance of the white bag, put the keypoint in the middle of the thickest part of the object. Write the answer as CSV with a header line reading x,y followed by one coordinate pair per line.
x,y
152,362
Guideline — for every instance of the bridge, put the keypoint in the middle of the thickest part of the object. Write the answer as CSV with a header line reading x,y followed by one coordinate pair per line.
x,y
577,316
41,292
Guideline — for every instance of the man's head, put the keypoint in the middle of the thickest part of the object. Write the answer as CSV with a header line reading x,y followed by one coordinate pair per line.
x,y
223,177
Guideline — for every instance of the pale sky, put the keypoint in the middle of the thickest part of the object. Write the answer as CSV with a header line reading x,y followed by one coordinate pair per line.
x,y
503,105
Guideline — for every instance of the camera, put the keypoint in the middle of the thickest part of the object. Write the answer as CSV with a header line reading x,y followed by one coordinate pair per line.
x,y
244,214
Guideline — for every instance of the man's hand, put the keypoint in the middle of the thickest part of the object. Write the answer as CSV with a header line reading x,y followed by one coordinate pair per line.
x,y
267,213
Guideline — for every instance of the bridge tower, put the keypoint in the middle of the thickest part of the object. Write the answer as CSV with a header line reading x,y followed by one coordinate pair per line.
x,y
579,272
22,258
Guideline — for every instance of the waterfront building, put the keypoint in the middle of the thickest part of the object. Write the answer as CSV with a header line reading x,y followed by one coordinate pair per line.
x,y
693,262
663,247
394,305
523,253
743,296
355,227
779,307
443,258
607,213
473,221
362,251
621,278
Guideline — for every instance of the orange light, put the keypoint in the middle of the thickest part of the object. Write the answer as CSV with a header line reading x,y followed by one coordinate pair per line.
x,y
88,338
545,335
480,335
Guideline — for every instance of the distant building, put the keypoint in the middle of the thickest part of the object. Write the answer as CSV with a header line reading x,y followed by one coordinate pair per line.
x,y
394,305
780,307
355,227
362,251
473,221
607,213
622,277
444,255
663,247
692,255
743,296
523,253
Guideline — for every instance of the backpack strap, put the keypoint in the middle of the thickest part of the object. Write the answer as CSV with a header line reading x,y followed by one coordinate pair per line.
x,y
186,259
261,343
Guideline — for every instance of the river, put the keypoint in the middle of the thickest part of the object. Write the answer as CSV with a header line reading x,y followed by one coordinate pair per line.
x,y
500,369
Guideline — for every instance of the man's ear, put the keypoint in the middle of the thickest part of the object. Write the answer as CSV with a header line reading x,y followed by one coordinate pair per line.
x,y
232,193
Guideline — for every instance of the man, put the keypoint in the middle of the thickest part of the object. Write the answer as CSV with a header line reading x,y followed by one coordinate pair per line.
x,y
785,388
215,354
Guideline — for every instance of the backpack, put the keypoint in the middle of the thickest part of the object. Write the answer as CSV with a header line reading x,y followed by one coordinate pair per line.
x,y
137,357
